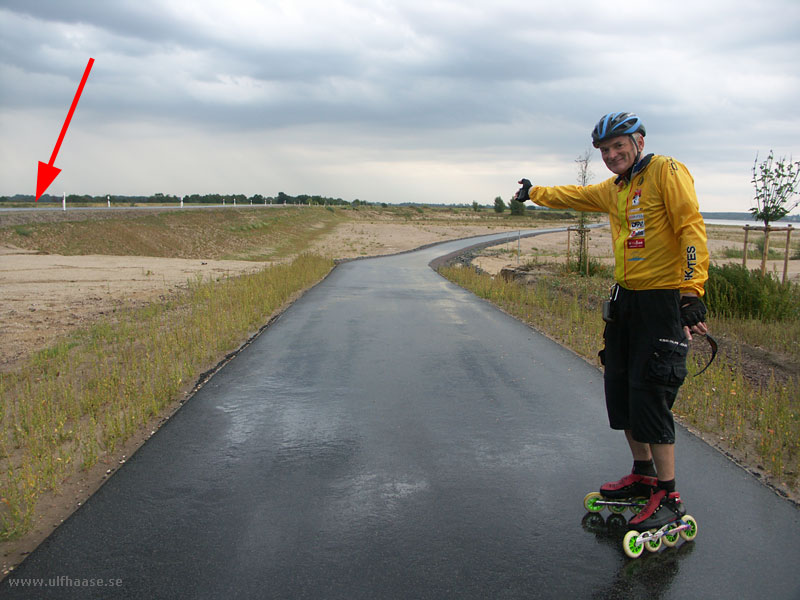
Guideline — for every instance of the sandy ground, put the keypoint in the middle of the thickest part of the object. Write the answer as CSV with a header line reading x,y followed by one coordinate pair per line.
x,y
43,297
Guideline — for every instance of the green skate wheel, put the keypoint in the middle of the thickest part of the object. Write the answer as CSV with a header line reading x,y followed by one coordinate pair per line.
x,y
653,545
689,534
671,539
629,545
590,502
617,510
637,508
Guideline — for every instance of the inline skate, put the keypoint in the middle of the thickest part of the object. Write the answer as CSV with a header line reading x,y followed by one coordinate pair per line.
x,y
662,520
632,491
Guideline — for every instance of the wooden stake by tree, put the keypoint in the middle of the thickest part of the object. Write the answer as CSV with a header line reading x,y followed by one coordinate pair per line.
x,y
786,252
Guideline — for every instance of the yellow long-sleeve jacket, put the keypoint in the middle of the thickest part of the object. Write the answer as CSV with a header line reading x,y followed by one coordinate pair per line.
x,y
658,233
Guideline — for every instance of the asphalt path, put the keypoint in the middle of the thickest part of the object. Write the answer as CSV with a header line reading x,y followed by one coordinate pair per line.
x,y
393,436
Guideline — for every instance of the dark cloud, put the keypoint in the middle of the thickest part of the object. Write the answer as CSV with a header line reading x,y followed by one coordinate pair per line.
x,y
164,65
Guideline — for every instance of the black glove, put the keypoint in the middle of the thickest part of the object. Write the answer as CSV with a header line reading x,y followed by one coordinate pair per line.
x,y
522,193
693,311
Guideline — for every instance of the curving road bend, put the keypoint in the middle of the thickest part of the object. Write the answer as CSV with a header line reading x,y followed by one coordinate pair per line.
x,y
393,436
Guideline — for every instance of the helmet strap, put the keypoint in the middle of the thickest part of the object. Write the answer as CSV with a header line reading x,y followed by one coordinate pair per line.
x,y
635,160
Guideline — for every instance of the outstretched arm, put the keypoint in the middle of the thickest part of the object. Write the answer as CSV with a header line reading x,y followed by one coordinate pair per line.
x,y
590,198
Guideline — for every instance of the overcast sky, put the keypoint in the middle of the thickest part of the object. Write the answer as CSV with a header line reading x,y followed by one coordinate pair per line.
x,y
434,101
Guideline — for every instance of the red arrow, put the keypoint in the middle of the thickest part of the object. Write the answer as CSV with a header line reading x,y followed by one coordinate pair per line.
x,y
47,172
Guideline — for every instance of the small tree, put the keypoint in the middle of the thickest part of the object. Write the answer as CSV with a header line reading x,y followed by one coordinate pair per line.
x,y
517,207
775,182
499,205
584,176
475,206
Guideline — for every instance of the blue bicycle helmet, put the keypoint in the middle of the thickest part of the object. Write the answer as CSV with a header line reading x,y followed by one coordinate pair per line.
x,y
616,124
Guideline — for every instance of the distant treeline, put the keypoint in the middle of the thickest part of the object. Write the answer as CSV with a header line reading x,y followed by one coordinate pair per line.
x,y
281,198
737,216
159,198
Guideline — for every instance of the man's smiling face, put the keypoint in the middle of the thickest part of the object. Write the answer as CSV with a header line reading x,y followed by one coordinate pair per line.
x,y
619,152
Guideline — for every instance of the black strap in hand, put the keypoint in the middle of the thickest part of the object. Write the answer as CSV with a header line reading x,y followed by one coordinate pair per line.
x,y
713,343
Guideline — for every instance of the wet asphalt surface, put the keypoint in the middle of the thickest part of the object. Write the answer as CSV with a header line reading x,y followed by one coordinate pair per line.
x,y
393,436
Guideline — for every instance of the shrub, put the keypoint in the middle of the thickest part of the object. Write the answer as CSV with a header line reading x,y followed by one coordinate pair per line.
x,y
734,291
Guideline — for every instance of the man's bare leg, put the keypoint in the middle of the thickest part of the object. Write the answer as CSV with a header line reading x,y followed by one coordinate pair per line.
x,y
664,457
639,450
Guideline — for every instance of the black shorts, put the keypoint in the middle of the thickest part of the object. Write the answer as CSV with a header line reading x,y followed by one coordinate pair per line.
x,y
645,363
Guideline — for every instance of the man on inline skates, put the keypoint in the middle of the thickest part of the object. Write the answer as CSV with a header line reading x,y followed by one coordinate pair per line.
x,y
661,265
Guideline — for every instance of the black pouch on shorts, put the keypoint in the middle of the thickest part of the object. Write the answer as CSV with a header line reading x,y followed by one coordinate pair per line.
x,y
608,311
667,364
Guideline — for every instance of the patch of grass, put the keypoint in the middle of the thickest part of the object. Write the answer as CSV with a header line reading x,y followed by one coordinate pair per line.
x,y
759,421
60,349
23,230
752,253
596,268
